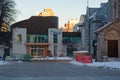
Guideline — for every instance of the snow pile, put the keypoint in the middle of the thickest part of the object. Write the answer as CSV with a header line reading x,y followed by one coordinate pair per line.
x,y
77,63
3,63
53,58
60,58
112,65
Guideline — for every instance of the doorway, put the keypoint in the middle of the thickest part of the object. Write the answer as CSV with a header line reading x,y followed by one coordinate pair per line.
x,y
37,51
112,48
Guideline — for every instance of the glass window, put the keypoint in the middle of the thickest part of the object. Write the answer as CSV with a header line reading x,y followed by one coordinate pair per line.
x,y
19,38
55,38
28,39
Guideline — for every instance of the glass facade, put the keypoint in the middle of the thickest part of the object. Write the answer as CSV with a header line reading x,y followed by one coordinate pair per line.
x,y
36,50
37,38
70,42
37,44
19,38
74,40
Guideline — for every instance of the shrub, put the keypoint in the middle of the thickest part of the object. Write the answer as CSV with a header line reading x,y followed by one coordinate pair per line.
x,y
26,57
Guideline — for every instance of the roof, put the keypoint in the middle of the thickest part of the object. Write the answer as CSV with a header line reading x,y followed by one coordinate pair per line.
x,y
38,24
107,25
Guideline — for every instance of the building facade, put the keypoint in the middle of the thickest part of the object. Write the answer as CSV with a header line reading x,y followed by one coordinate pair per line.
x,y
108,39
108,42
96,21
40,37
35,37
69,25
114,10
104,21
85,28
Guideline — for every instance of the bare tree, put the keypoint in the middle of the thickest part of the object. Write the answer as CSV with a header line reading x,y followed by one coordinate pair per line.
x,y
7,12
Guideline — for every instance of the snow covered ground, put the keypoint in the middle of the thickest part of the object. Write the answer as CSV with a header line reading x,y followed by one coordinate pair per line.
x,y
53,58
4,63
111,65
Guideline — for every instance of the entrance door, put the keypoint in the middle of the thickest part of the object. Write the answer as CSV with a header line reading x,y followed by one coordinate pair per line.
x,y
112,48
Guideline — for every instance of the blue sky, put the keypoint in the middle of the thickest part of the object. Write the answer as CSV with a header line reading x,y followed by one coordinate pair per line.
x,y
64,9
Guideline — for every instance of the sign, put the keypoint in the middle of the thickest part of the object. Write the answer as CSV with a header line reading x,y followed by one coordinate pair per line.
x,y
84,59
55,32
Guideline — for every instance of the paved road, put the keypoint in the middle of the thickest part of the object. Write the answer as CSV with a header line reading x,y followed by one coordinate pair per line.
x,y
54,71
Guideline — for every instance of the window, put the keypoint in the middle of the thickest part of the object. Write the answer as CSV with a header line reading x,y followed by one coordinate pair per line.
x,y
55,38
19,38
35,39
39,39
28,39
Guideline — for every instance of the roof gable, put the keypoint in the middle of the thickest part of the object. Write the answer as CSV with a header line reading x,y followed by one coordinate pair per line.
x,y
107,25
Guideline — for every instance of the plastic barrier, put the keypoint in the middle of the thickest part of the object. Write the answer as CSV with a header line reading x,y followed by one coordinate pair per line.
x,y
84,59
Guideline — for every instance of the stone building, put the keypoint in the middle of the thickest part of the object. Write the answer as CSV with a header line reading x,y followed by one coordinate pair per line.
x,y
114,11
108,36
104,21
108,41
96,21
85,28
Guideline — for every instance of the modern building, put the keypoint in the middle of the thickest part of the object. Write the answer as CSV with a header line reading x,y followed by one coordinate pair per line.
x,y
37,36
46,12
71,42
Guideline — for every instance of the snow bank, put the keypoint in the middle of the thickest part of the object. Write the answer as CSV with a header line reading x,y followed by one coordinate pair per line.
x,y
3,63
53,58
60,58
112,65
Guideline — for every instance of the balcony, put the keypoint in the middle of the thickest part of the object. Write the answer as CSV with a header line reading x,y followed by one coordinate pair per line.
x,y
37,44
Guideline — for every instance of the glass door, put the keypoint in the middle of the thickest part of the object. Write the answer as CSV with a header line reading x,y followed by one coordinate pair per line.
x,y
37,51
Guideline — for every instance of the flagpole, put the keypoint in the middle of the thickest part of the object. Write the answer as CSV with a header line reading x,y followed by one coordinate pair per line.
x,y
87,3
88,27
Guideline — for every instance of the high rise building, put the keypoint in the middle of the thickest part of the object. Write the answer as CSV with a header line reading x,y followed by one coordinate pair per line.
x,y
46,12
69,25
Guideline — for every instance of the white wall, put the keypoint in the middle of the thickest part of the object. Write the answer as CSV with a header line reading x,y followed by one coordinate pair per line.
x,y
19,48
59,45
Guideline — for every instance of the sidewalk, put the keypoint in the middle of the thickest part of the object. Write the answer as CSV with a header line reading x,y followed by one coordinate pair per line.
x,y
111,65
